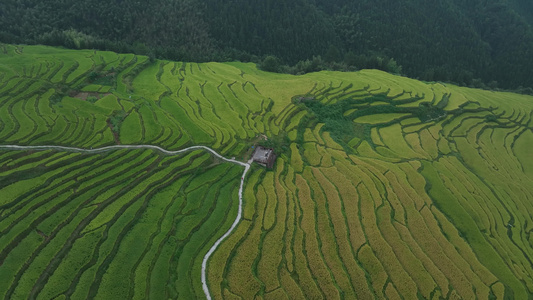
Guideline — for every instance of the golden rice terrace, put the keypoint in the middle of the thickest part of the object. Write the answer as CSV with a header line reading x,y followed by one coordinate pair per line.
x,y
384,187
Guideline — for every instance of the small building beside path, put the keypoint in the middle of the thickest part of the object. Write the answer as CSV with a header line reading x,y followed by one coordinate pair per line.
x,y
264,157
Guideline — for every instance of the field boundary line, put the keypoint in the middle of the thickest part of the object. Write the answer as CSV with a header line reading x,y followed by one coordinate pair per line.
x,y
167,152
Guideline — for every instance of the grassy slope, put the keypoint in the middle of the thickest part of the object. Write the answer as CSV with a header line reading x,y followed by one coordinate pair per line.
x,y
356,205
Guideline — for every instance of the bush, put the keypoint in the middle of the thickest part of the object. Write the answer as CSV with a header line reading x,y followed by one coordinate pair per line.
x,y
92,99
270,64
93,76
279,143
116,119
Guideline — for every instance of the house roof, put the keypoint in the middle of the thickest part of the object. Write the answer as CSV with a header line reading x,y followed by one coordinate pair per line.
x,y
262,154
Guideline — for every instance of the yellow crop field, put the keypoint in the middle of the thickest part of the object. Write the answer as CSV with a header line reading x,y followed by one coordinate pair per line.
x,y
378,276
318,263
296,158
271,256
393,139
311,154
334,231
413,140
383,187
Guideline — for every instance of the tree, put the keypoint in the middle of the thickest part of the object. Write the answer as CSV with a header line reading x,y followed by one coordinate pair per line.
x,y
393,67
333,54
350,59
270,64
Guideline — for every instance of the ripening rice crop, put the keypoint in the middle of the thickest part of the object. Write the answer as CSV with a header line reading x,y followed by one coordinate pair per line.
x,y
384,186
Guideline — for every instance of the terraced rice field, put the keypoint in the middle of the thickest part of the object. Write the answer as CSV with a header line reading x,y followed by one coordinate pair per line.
x,y
111,224
385,187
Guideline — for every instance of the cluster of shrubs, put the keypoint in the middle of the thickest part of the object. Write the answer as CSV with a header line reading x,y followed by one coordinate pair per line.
x,y
350,62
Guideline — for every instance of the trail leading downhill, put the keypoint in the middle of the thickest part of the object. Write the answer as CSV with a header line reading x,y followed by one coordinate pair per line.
x,y
167,152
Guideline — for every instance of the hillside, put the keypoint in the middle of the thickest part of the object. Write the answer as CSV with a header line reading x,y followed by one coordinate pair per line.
x,y
471,43
384,186
524,8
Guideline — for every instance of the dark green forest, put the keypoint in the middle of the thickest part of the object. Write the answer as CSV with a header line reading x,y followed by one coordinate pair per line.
x,y
479,43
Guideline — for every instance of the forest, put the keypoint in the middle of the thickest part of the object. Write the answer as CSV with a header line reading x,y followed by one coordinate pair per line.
x,y
484,44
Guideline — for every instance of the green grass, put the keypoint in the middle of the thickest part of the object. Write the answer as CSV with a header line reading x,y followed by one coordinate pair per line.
x,y
151,127
468,228
25,124
84,66
93,187
523,149
131,130
180,115
146,84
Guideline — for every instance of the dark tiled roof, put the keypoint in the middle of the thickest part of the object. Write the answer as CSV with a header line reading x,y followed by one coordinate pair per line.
x,y
264,156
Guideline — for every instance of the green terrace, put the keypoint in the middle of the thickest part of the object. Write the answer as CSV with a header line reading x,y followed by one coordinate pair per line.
x,y
384,186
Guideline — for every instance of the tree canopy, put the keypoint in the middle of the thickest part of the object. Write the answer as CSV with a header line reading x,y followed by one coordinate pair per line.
x,y
467,42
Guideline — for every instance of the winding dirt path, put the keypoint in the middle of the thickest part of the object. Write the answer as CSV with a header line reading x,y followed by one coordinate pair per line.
x,y
167,152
